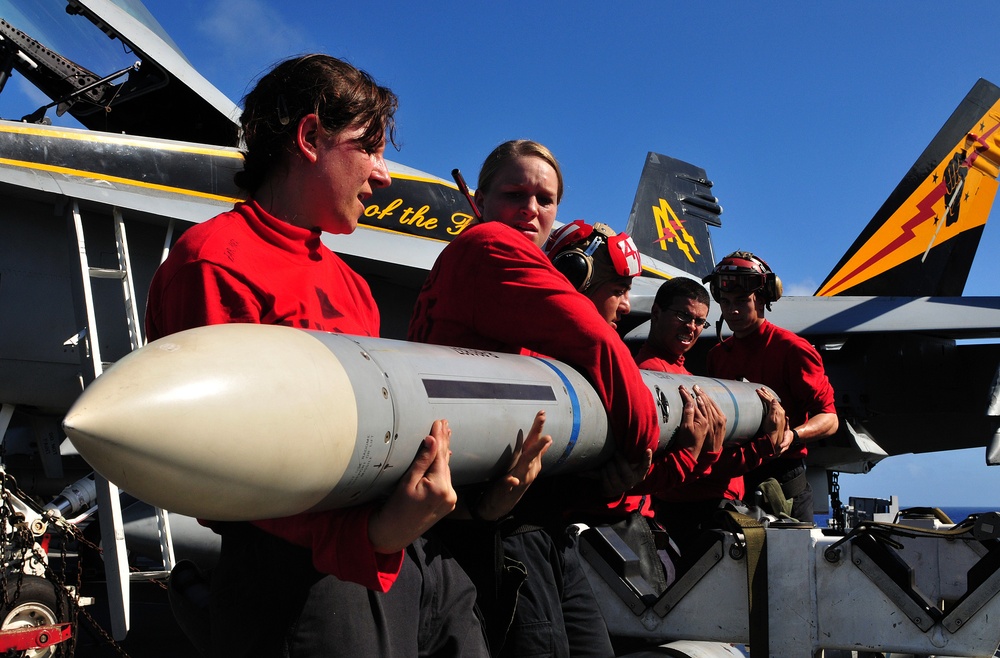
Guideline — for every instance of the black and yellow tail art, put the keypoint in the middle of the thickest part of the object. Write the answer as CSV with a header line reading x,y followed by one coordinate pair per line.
x,y
923,239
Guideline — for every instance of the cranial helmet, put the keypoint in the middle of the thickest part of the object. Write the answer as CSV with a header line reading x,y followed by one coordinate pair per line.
x,y
582,252
742,271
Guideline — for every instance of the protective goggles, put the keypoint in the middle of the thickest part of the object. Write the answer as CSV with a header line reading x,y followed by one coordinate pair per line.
x,y
748,282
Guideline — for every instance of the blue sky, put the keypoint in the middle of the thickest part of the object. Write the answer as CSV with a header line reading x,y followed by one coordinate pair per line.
x,y
805,115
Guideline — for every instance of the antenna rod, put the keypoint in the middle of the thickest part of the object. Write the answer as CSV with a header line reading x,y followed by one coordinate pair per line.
x,y
464,189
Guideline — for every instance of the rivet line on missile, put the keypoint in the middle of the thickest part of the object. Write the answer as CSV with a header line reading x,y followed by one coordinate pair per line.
x,y
452,389
575,402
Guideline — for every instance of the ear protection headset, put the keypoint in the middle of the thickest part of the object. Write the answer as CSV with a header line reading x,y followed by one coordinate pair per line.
x,y
571,249
743,271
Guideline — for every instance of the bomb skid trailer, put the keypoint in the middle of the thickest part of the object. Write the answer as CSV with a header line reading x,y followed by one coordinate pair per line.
x,y
39,605
922,587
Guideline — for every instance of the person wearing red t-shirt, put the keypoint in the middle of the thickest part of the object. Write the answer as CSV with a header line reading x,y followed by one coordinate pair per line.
x,y
676,320
745,286
493,288
358,581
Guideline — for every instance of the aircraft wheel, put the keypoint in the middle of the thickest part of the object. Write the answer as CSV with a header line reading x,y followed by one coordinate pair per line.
x,y
36,605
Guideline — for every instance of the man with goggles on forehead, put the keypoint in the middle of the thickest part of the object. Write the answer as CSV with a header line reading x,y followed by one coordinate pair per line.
x,y
761,352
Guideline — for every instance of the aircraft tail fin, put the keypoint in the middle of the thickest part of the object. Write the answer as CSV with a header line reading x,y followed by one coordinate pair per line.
x,y
923,239
671,213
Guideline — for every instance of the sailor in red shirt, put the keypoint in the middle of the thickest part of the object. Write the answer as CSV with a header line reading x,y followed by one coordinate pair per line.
x,y
759,351
676,320
316,584
493,288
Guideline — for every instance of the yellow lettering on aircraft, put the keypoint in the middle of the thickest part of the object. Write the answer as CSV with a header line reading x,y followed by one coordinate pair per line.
x,y
460,220
669,228
409,217
418,218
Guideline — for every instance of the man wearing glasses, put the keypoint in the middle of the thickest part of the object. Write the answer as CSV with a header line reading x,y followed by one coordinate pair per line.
x,y
678,316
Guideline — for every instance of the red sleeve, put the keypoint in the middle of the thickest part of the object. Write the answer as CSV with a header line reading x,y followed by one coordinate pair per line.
x,y
523,300
742,458
340,546
197,294
815,394
669,470
706,460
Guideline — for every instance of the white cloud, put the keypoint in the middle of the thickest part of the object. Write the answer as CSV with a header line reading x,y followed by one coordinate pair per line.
x,y
804,288
248,36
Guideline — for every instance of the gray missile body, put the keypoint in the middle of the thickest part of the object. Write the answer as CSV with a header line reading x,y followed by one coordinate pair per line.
x,y
241,422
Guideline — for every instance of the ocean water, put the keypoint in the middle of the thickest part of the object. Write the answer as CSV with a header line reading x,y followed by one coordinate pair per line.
x,y
956,514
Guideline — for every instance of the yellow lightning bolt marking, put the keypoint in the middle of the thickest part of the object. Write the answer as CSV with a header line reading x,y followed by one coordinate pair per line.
x,y
667,221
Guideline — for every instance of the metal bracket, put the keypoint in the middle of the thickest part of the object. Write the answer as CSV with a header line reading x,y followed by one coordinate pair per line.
x,y
894,578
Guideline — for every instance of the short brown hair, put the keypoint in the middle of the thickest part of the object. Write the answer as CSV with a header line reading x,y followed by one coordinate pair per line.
x,y
340,94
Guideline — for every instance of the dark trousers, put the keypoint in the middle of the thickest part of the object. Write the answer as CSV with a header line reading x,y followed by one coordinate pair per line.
x,y
268,601
532,589
791,475
557,613
686,523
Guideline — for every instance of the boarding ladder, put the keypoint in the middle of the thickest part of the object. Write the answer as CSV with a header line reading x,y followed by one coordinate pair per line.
x,y
108,498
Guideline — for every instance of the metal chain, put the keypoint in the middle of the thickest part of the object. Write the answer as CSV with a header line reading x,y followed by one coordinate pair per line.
x,y
838,520
22,537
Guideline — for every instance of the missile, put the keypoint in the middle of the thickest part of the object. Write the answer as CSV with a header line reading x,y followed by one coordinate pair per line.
x,y
244,421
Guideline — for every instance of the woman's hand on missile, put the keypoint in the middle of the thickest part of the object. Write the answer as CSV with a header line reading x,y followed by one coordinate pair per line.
x,y
423,496
775,423
501,496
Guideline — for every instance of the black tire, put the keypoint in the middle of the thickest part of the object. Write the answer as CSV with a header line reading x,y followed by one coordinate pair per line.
x,y
40,602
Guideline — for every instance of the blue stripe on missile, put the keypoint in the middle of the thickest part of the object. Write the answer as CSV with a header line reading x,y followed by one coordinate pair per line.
x,y
736,409
575,402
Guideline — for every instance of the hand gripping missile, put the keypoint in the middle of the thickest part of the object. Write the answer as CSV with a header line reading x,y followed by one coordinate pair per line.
x,y
241,422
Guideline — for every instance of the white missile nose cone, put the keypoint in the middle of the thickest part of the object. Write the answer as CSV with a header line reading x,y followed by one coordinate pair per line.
x,y
274,422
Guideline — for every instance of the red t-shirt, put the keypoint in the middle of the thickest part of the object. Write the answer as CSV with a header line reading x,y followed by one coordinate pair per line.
x,y
784,361
247,266
646,359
